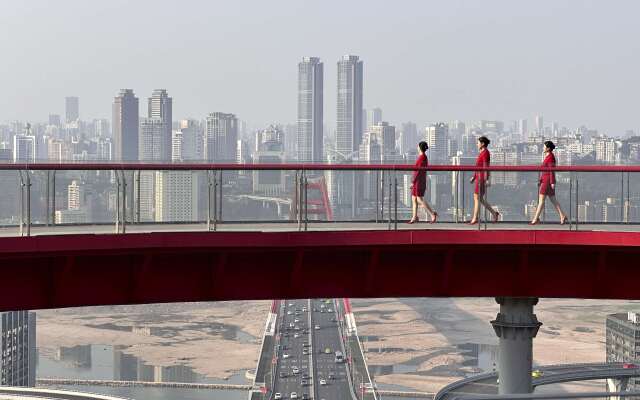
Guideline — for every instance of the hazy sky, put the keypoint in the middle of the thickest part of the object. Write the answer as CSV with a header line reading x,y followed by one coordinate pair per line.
x,y
576,62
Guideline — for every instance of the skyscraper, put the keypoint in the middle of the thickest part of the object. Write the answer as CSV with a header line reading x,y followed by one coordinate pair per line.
x,y
409,137
176,196
71,109
349,130
374,116
24,148
75,196
125,126
160,107
192,140
522,128
437,135
17,348
221,137
385,135
349,107
151,143
539,124
310,110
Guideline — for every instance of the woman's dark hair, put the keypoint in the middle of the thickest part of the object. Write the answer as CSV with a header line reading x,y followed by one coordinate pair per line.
x,y
423,146
549,144
484,140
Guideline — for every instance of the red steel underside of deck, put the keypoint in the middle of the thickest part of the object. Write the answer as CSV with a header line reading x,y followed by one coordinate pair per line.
x,y
81,270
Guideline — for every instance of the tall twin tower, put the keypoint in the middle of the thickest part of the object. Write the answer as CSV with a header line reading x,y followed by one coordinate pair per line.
x,y
310,109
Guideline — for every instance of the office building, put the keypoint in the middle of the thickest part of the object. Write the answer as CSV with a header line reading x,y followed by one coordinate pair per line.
x,y
269,150
385,136
309,139
539,124
151,140
408,137
17,348
71,109
221,137
160,107
522,128
125,125
54,120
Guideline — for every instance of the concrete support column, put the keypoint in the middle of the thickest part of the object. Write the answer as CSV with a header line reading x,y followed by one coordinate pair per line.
x,y
617,385
515,325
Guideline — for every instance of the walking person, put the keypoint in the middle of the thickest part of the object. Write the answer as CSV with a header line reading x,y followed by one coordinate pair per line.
x,y
547,185
481,180
419,186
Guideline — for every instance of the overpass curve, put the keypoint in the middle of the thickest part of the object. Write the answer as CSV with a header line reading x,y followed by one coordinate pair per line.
x,y
486,383
53,271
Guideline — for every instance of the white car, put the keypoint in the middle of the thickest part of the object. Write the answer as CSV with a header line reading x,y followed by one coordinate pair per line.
x,y
293,395
285,356
296,320
277,396
295,370
323,382
288,312
297,335
317,327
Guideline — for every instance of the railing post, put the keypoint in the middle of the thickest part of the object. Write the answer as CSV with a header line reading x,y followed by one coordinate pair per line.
x,y
395,200
382,196
463,183
117,225
628,204
570,200
53,199
215,200
124,202
28,203
622,205
389,207
577,201
377,194
306,201
456,200
137,196
209,190
299,199
219,201
47,198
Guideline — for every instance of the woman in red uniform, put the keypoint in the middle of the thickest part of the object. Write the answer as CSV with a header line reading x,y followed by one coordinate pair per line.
x,y
481,179
419,185
548,185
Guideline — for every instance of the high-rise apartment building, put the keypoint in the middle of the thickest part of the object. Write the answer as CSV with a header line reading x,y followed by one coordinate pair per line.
x,y
125,126
539,124
385,136
75,196
151,140
17,348
408,137
522,128
221,137
160,107
623,341
192,140
437,135
71,109
176,196
309,141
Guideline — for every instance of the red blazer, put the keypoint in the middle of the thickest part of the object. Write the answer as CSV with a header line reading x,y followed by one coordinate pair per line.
x,y
420,176
548,177
483,160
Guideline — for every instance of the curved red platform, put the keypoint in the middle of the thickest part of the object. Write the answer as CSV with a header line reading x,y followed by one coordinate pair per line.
x,y
81,270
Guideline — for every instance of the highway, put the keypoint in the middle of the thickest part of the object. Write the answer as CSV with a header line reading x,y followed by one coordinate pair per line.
x,y
305,364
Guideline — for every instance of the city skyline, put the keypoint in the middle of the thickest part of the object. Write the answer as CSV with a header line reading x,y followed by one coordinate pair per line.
x,y
559,69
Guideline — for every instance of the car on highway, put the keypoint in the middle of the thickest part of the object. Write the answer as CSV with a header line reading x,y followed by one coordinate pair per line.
x,y
317,327
332,376
289,313
327,351
305,396
283,374
293,395
323,382
305,375
295,370
629,366
297,335
277,396
536,373
296,320
304,382
285,356
305,352
305,344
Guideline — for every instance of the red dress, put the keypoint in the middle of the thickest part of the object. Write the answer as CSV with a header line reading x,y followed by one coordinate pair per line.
x,y
420,177
548,178
480,177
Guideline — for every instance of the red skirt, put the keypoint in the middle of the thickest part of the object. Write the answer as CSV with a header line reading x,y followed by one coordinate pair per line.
x,y
481,188
546,189
419,189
